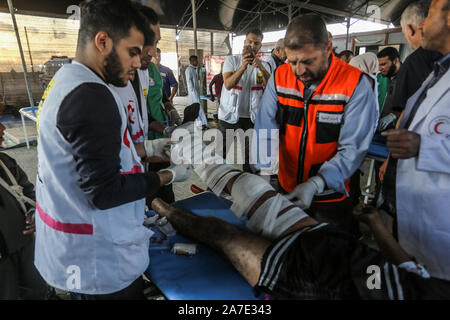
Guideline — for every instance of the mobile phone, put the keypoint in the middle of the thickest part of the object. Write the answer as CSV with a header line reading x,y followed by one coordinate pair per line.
x,y
248,49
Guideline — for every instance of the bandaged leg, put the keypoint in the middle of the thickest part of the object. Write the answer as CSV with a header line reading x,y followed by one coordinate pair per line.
x,y
216,176
247,189
271,218
268,221
207,165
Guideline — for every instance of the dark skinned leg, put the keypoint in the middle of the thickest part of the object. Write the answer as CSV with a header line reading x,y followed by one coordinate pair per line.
x,y
244,249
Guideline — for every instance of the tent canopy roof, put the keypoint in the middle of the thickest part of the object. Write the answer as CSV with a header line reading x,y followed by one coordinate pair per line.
x,y
236,16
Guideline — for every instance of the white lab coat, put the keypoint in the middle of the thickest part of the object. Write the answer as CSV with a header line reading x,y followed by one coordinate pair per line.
x,y
194,93
423,183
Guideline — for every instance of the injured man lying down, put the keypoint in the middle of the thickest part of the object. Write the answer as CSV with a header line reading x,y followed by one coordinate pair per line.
x,y
289,255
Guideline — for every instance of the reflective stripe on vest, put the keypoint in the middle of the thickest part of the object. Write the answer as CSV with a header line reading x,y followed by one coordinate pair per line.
x,y
304,148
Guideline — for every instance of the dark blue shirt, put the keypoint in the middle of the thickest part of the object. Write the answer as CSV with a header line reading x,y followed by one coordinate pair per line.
x,y
168,78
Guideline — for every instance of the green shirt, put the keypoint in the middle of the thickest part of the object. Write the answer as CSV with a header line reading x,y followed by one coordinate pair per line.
x,y
154,100
382,90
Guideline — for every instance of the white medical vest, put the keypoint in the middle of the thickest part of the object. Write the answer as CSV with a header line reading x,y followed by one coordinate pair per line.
x,y
137,120
80,248
246,94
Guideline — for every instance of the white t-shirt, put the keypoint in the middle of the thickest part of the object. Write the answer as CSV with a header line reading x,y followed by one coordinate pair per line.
x,y
232,63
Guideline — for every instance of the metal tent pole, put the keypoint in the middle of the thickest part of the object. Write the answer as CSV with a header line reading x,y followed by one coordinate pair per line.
x,y
194,23
348,30
27,81
290,12
212,43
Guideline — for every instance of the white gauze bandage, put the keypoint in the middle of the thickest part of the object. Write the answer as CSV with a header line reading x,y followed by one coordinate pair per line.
x,y
216,176
246,190
265,220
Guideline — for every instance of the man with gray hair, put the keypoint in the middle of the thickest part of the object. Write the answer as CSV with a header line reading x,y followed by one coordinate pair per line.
x,y
413,72
418,64
277,58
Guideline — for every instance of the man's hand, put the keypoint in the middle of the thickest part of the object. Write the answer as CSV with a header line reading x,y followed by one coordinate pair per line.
x,y
175,117
30,227
305,192
167,132
257,63
402,144
165,177
366,214
180,172
247,58
157,147
386,121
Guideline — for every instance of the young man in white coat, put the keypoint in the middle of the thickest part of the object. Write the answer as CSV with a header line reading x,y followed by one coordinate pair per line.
x,y
91,186
422,146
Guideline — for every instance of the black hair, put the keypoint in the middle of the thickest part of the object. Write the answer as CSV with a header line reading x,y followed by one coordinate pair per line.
x,y
346,53
115,17
158,50
193,58
256,32
307,29
389,52
150,14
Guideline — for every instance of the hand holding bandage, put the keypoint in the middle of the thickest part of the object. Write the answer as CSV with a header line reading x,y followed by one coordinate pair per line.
x,y
157,148
180,172
305,192
167,132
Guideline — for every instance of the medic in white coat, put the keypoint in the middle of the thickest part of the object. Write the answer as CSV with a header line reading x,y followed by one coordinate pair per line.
x,y
423,176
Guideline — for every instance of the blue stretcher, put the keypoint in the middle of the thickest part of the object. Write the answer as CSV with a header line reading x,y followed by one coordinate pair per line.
x,y
378,151
205,275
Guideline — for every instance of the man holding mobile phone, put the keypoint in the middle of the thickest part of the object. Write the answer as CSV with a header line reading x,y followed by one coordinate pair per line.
x,y
244,78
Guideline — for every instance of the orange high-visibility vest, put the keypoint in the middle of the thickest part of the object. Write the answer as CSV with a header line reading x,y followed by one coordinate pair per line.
x,y
304,148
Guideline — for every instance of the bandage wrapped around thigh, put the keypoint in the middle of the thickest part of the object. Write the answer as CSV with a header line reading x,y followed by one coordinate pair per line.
x,y
265,219
247,189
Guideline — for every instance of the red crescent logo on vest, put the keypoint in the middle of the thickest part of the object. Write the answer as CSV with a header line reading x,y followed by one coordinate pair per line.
x,y
436,127
125,138
439,125
130,108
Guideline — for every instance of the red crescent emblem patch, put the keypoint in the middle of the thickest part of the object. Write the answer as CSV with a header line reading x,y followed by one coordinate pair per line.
x,y
125,138
436,127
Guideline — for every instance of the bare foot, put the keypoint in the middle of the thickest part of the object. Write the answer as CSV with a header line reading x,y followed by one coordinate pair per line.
x,y
161,207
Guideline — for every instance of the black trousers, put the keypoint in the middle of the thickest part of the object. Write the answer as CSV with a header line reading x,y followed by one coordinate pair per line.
x,y
134,291
19,278
244,124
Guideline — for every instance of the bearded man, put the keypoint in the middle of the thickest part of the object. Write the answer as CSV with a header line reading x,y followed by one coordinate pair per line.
x,y
326,113
91,186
